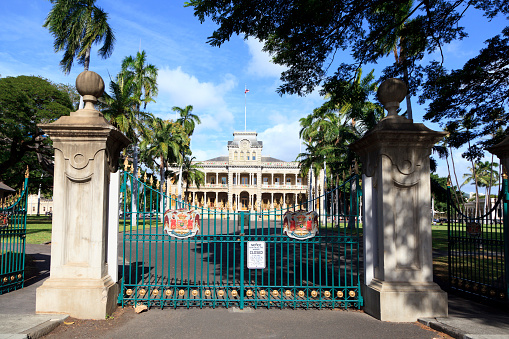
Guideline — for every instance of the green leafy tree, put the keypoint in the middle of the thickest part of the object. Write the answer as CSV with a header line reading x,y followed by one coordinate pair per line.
x,y
186,118
76,25
471,102
143,76
191,174
25,102
188,121
163,144
332,127
306,35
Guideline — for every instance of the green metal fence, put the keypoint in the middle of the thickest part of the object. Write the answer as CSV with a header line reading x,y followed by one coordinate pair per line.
x,y
211,268
13,217
478,249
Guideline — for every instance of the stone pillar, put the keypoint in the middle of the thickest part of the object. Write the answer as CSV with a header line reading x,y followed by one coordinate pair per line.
x,y
87,148
395,154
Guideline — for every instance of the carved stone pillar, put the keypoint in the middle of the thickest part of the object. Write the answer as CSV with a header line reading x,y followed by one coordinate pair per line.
x,y
87,148
395,155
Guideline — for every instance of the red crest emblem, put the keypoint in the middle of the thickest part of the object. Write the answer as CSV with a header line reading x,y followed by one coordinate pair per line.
x,y
181,223
300,224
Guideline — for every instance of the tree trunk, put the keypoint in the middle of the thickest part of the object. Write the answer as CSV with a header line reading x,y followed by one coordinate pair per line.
x,y
86,66
454,169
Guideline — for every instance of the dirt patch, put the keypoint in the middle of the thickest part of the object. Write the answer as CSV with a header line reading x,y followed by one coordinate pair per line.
x,y
78,328
439,335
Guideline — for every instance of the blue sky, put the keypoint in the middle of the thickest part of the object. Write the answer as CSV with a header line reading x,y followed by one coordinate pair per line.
x,y
193,73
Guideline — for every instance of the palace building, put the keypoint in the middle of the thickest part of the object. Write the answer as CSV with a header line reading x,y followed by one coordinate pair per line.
x,y
247,180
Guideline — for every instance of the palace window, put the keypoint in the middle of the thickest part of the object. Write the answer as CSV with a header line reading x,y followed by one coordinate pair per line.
x,y
254,179
244,180
254,156
299,181
265,180
247,156
223,180
276,180
212,180
235,156
288,181
241,155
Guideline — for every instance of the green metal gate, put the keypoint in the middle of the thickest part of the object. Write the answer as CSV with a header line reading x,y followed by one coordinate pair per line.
x,y
478,248
13,217
210,269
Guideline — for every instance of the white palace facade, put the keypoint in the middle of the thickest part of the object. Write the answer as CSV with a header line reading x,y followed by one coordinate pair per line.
x,y
247,180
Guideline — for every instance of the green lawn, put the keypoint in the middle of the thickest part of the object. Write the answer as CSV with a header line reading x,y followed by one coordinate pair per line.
x,y
39,229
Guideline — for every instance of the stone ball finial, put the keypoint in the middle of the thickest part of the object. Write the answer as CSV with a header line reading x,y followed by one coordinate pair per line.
x,y
90,85
390,93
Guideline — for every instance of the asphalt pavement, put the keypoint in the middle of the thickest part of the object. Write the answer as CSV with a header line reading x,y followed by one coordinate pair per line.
x,y
467,319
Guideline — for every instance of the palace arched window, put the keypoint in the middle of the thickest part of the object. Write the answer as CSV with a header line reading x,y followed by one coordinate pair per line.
x,y
235,156
241,155
254,156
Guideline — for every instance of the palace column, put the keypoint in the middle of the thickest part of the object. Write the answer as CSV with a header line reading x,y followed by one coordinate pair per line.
x,y
230,188
87,149
395,154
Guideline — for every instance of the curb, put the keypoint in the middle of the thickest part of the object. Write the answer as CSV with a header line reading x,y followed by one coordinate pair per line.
x,y
44,328
436,325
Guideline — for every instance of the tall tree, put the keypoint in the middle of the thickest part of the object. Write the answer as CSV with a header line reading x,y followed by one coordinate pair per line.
x,y
25,102
332,127
76,25
188,121
473,96
191,174
143,76
163,144
186,118
306,35
143,79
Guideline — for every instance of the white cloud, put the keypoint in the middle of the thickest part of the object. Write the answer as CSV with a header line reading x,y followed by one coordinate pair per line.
x,y
281,141
261,64
177,88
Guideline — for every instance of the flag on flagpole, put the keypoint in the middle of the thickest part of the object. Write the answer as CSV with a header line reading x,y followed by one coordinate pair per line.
x,y
245,91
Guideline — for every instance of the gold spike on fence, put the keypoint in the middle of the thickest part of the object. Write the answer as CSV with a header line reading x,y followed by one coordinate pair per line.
x,y
151,181
449,182
164,187
126,164
157,184
138,175
27,172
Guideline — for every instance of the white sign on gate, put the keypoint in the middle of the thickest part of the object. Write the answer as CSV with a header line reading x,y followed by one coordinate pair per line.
x,y
256,255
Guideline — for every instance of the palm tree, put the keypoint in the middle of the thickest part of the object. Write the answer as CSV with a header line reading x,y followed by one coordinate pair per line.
x,y
163,144
191,173
76,26
119,110
332,127
484,175
143,76
187,119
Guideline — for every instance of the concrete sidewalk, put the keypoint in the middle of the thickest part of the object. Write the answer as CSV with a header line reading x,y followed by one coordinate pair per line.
x,y
466,319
